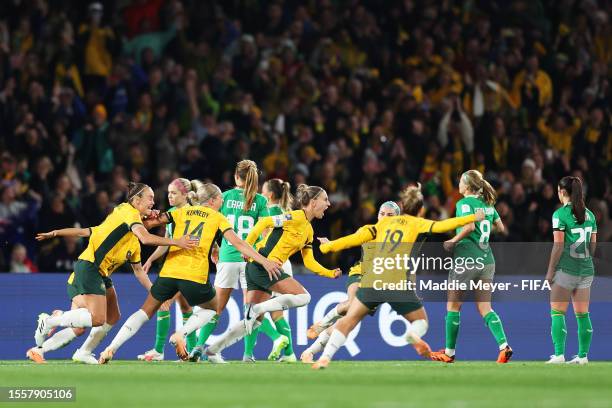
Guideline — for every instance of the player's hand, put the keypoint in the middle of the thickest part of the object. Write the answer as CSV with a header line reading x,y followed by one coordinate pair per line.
x,y
337,273
323,240
274,269
214,256
449,245
480,214
147,266
550,276
41,236
153,215
186,242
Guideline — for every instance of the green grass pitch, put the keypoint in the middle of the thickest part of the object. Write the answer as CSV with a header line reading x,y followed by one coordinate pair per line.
x,y
392,384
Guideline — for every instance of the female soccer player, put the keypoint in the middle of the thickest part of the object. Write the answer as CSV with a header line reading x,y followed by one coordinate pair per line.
x,y
570,269
278,194
187,271
390,232
111,244
177,198
242,206
322,330
472,242
291,232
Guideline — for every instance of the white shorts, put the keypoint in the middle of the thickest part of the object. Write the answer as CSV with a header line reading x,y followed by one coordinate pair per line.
x,y
288,269
572,282
230,275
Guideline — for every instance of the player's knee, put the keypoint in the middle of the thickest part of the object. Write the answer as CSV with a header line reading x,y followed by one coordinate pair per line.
x,y
97,320
78,331
302,299
483,308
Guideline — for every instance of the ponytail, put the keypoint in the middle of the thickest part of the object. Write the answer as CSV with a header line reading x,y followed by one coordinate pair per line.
x,y
281,191
246,170
476,184
305,194
195,187
573,189
135,190
202,192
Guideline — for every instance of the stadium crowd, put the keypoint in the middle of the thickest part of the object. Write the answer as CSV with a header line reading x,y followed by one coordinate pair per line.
x,y
360,97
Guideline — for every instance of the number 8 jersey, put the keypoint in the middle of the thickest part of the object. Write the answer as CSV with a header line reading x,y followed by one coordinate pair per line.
x,y
576,258
476,245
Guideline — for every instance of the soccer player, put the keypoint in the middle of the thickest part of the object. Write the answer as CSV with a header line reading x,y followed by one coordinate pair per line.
x,y
472,242
291,232
187,271
322,330
177,198
570,269
391,232
242,206
111,244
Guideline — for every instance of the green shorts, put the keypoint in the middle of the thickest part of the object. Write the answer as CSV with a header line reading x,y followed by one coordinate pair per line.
x,y
257,278
195,293
353,279
467,275
86,280
371,299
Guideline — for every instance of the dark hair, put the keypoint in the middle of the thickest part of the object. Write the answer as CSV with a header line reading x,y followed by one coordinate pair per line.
x,y
573,188
281,190
305,194
135,190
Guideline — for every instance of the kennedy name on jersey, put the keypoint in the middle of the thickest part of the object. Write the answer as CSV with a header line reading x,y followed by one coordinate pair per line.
x,y
235,204
198,213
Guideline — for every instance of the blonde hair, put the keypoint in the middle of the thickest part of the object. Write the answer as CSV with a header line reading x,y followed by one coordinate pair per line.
x,y
246,170
182,184
411,200
281,190
201,193
305,194
476,183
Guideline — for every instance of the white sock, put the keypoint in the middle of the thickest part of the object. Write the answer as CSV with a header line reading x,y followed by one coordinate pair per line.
x,y
418,328
336,340
319,343
330,318
234,334
72,318
129,328
96,335
59,340
449,352
282,302
503,346
198,319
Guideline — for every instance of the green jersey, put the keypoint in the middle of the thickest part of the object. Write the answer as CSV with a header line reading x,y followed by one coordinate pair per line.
x,y
576,258
476,245
242,221
275,209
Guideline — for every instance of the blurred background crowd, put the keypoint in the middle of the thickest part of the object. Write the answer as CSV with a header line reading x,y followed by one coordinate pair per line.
x,y
360,97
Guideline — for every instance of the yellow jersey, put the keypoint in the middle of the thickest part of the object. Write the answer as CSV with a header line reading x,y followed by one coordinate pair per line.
x,y
291,232
112,243
201,223
366,232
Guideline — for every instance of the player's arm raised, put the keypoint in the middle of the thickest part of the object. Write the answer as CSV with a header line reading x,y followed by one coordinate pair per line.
x,y
274,270
453,223
361,236
147,238
64,232
312,264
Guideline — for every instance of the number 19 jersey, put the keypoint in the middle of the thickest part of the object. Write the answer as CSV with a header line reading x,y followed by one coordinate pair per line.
x,y
476,245
242,221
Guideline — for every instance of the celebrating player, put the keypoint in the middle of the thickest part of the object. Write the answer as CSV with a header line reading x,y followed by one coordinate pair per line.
x,y
111,244
187,271
392,231
571,269
472,242
322,330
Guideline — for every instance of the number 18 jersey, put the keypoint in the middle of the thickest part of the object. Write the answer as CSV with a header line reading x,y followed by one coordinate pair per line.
x,y
476,245
242,221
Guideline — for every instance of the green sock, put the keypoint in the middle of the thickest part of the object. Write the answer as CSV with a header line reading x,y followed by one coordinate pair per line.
x,y
250,340
452,328
161,330
207,330
192,338
585,333
496,327
558,331
283,328
269,329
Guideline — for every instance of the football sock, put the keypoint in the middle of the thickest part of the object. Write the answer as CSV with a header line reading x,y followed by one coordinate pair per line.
x,y
282,302
161,330
96,335
330,318
207,330
585,333
59,340
496,327
453,320
268,328
283,328
129,328
336,340
72,318
558,331
192,338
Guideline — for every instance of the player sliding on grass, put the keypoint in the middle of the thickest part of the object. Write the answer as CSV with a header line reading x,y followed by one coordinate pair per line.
x,y
291,232
322,330
472,242
390,232
178,190
111,244
571,269
187,271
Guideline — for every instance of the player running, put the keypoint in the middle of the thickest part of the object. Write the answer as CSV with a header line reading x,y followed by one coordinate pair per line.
x,y
322,330
472,242
111,244
291,232
187,271
570,269
390,232
178,190
242,206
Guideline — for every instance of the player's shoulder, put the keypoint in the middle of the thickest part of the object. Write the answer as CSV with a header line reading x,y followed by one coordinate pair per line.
x,y
561,211
590,217
260,199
